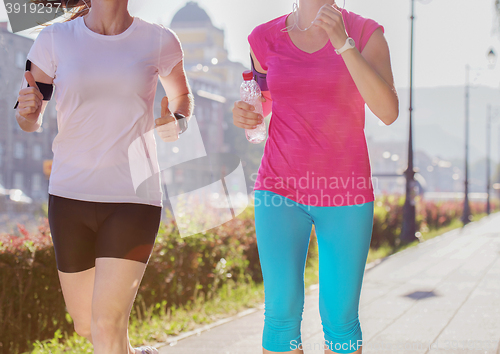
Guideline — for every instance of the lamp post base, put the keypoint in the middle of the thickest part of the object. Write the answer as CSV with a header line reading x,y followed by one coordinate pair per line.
x,y
408,227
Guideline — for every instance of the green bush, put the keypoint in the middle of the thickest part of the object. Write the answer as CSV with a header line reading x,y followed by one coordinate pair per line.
x,y
31,301
430,215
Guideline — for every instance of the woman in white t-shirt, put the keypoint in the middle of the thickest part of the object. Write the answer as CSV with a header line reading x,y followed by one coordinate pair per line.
x,y
104,65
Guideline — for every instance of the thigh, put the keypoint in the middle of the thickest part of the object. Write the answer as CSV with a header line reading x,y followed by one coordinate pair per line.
x,y
344,234
283,230
77,290
115,287
127,230
73,231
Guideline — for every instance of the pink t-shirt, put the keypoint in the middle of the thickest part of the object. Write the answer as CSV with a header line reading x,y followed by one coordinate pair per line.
x,y
316,152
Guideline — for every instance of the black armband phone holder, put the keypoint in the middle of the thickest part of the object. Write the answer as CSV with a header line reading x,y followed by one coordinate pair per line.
x,y
45,89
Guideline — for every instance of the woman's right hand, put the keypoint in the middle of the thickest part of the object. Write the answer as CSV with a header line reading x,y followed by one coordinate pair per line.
x,y
244,115
30,100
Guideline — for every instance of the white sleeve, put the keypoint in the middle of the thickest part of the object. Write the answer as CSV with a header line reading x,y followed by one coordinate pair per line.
x,y
42,52
170,53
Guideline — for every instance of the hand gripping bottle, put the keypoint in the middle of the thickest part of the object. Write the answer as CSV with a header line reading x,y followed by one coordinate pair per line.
x,y
250,93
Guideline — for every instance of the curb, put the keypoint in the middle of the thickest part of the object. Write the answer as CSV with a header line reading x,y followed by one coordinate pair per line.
x,y
173,340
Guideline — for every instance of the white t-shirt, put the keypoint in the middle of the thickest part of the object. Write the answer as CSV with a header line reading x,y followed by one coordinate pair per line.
x,y
104,90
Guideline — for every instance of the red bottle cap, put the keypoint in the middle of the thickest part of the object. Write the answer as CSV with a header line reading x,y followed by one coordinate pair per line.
x,y
247,75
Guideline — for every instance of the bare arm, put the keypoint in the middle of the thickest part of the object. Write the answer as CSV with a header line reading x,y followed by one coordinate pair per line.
x,y
370,70
178,91
29,112
372,74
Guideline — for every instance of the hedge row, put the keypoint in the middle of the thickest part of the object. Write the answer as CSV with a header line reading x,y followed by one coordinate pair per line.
x,y
180,269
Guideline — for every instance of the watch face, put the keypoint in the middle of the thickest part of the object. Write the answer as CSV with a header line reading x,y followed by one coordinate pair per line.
x,y
351,42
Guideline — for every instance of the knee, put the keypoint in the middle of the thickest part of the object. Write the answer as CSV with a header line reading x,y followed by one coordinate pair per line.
x,y
108,326
83,329
285,311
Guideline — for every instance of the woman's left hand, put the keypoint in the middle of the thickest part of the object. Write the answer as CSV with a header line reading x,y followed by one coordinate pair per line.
x,y
330,19
167,126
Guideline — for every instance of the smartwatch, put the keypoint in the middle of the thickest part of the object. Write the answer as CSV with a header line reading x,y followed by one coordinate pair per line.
x,y
182,122
349,44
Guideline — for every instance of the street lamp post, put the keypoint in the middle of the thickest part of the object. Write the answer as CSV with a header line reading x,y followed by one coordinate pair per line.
x,y
408,227
491,59
488,157
466,211
488,137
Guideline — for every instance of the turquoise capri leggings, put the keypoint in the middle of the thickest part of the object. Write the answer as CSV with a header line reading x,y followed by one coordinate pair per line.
x,y
283,229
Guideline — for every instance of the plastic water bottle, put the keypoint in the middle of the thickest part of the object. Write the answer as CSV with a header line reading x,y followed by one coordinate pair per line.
x,y
250,93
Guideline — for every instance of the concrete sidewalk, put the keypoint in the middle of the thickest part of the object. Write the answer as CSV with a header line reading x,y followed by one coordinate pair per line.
x,y
442,296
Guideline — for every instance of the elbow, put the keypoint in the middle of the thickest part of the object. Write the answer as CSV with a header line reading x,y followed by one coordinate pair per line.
x,y
392,117
391,114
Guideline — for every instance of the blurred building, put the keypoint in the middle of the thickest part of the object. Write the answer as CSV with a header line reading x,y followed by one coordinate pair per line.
x,y
214,79
21,153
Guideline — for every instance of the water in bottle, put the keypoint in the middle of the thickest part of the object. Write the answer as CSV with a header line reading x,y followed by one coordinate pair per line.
x,y
250,93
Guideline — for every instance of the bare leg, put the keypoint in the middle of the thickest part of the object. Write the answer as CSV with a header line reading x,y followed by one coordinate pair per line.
x,y
77,290
116,284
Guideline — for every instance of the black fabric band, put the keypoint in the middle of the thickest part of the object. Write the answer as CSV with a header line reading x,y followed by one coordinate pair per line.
x,y
45,89
259,77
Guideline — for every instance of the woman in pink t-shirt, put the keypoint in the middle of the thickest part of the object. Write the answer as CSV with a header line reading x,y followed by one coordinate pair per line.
x,y
317,68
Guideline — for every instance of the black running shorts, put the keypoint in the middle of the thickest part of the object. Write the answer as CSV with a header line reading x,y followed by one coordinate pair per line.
x,y
83,231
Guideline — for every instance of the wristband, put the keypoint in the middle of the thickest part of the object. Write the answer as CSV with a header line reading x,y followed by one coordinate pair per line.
x,y
349,44
182,122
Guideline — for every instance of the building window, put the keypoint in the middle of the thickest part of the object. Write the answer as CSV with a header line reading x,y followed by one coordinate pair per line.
x,y
20,60
19,150
36,182
37,152
18,180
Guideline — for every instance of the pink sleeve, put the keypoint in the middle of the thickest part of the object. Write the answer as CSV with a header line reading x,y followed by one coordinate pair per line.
x,y
360,28
368,27
258,44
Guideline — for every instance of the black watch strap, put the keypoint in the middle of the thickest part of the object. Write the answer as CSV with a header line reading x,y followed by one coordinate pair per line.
x,y
181,121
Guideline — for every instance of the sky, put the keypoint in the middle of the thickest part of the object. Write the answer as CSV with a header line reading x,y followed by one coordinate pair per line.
x,y
449,34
